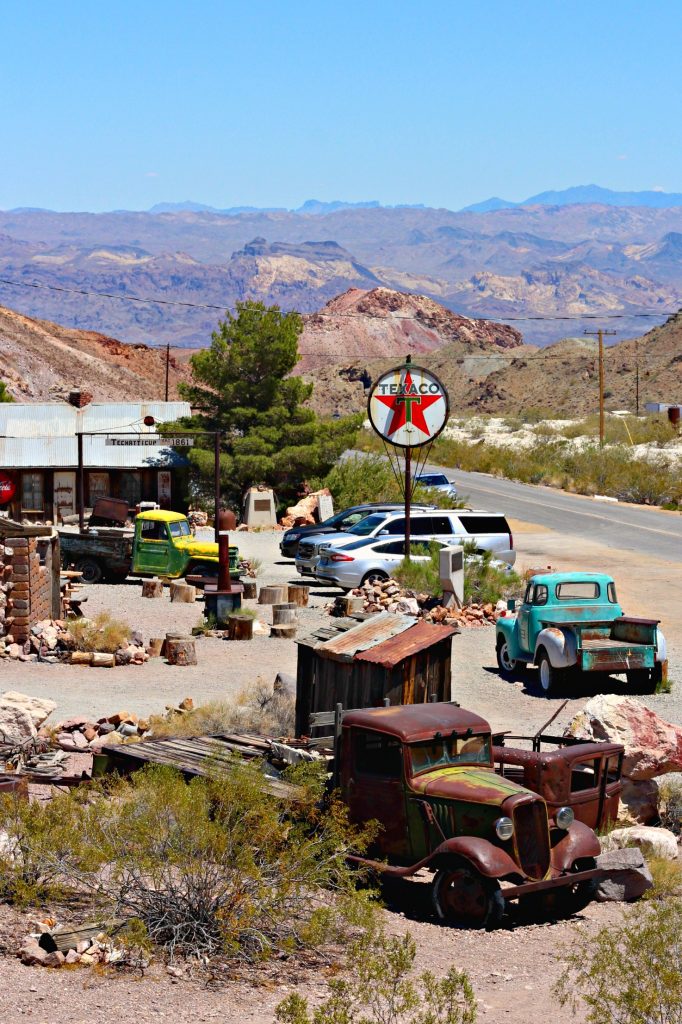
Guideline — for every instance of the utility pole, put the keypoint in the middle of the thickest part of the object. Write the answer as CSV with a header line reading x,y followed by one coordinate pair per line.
x,y
167,366
601,335
636,377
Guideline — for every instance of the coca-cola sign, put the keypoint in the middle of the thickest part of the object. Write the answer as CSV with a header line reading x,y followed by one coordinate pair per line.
x,y
7,488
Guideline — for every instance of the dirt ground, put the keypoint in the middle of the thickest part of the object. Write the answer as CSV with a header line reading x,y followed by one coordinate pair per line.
x,y
512,969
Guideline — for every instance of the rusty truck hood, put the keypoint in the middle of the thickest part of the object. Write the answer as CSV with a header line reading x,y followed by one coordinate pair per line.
x,y
469,783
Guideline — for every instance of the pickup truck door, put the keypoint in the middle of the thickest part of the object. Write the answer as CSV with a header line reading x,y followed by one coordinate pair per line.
x,y
523,618
152,547
375,790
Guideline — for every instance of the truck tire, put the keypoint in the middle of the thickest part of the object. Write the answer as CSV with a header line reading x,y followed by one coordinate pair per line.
x,y
567,900
508,666
91,569
549,678
464,898
202,569
642,680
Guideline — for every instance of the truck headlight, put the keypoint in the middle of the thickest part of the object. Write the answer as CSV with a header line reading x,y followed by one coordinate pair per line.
x,y
564,817
504,827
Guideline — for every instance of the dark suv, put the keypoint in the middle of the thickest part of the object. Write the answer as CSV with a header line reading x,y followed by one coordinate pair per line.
x,y
341,521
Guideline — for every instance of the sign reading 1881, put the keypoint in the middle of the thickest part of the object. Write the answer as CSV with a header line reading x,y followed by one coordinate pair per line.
x,y
408,406
150,441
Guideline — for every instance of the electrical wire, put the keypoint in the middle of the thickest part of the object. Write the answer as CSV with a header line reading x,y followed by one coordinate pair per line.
x,y
499,317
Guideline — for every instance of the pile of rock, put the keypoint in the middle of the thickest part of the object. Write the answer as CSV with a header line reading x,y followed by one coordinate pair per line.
x,y
197,519
81,733
35,951
50,642
390,596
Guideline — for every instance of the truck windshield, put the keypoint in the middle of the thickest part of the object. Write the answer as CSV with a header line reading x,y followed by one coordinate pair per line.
x,y
450,750
179,529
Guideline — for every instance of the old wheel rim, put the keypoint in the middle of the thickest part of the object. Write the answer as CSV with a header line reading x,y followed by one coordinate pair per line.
x,y
545,675
507,663
463,898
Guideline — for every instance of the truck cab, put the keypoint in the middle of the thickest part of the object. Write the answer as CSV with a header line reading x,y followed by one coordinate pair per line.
x,y
572,622
163,545
427,774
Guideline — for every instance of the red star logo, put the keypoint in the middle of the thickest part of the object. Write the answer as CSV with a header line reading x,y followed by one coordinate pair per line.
x,y
408,408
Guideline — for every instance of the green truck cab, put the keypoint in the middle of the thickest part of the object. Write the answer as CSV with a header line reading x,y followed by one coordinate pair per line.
x,y
571,622
160,544
443,798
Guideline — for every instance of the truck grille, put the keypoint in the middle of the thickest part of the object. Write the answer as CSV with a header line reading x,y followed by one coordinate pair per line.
x,y
306,550
532,838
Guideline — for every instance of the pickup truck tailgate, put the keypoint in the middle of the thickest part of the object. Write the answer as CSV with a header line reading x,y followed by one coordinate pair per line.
x,y
604,654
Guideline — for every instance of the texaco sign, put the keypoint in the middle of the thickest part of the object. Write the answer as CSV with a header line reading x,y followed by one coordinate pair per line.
x,y
408,406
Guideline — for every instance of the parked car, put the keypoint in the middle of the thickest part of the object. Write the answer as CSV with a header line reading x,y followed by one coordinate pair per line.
x,y
489,531
571,622
339,522
437,482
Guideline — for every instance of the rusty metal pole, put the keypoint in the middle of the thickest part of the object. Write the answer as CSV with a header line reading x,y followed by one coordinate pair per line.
x,y
81,483
408,500
225,522
216,460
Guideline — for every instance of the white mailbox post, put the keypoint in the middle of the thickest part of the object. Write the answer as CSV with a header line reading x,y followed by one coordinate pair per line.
x,y
452,575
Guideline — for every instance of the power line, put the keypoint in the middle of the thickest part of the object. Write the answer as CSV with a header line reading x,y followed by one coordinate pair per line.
x,y
359,316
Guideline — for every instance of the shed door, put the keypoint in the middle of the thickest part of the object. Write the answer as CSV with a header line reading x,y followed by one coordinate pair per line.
x,y
64,493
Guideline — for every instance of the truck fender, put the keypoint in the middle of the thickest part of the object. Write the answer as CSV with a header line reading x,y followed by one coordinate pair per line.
x,y
577,842
559,644
489,860
507,629
661,646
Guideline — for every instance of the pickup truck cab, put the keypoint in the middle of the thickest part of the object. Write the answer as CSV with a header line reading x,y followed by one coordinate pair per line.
x,y
572,622
160,544
427,773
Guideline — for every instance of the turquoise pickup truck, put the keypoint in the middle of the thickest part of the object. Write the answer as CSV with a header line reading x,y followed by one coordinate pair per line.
x,y
570,622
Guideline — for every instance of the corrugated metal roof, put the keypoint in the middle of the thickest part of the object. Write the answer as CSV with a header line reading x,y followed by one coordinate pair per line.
x,y
394,650
109,416
50,419
44,420
62,453
367,634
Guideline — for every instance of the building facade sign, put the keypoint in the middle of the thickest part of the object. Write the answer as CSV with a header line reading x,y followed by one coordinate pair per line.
x,y
149,441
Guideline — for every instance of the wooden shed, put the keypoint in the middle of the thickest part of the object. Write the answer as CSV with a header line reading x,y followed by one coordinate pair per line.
x,y
361,663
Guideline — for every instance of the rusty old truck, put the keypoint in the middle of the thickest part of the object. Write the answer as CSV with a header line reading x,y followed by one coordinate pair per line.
x,y
494,824
570,623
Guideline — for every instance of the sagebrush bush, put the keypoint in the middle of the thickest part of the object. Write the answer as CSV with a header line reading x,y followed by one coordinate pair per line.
x,y
630,974
484,582
257,708
359,479
670,803
378,989
101,634
667,878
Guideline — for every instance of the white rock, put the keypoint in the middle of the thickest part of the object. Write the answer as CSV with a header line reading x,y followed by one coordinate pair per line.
x,y
37,707
408,606
15,724
653,842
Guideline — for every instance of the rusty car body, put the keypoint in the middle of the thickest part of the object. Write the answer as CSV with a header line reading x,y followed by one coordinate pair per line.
x,y
571,622
427,774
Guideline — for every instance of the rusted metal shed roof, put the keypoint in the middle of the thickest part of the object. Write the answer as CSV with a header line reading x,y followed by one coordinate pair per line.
x,y
364,636
392,651
417,721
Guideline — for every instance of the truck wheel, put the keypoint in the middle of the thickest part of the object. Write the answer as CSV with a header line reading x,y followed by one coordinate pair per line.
x,y
642,680
91,569
202,569
506,665
571,899
548,676
463,898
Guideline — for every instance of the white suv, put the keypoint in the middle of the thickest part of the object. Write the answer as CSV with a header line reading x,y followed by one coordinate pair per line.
x,y
489,531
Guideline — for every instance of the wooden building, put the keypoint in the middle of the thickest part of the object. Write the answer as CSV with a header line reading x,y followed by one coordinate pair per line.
x,y
361,663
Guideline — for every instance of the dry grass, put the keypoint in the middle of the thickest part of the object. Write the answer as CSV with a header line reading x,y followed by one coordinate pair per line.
x,y
256,709
101,634
667,876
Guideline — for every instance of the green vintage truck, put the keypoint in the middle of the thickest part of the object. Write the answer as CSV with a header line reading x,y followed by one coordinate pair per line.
x,y
571,622
160,544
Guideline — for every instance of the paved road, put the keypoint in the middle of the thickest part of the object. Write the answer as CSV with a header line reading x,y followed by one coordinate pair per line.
x,y
628,527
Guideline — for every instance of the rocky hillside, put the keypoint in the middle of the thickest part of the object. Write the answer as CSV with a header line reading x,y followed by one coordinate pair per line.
x,y
381,323
41,361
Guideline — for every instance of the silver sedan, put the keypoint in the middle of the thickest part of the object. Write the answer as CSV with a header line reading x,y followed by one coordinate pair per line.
x,y
367,560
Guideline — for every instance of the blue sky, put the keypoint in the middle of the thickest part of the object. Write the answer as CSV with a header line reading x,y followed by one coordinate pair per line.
x,y
271,103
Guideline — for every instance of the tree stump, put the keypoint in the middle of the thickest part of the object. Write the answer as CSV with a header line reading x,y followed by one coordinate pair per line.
x,y
152,588
250,590
155,645
284,615
272,595
181,591
181,651
298,594
170,636
283,632
239,627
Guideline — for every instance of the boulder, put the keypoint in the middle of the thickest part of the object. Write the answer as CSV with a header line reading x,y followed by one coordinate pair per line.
x,y
653,842
407,606
16,724
38,708
304,513
639,801
652,745
31,954
627,876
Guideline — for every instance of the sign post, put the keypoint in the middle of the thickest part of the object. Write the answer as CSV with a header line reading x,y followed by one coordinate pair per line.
x,y
408,408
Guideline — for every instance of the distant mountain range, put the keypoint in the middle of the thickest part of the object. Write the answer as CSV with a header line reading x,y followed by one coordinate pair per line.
x,y
583,194
315,207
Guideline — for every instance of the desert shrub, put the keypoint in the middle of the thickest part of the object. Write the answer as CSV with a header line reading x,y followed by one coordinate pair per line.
x,y
667,878
378,989
484,582
423,575
367,478
670,803
102,633
257,708
631,974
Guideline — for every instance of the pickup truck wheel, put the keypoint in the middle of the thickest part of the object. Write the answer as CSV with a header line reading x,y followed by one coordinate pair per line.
x,y
202,569
463,898
548,676
91,569
642,680
506,665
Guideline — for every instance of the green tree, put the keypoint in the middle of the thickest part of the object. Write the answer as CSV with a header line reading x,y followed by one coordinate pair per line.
x,y
242,387
4,393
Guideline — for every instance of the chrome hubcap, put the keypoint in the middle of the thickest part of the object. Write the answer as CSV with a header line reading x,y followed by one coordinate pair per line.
x,y
544,674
